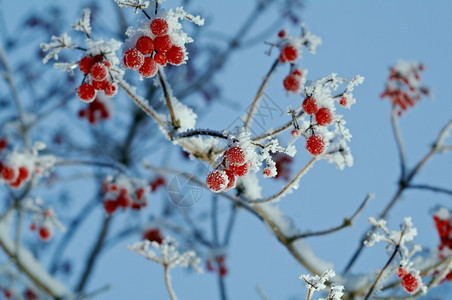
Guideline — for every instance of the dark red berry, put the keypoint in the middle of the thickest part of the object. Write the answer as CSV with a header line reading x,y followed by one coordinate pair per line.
x,y
8,173
160,58
217,181
85,64
145,45
310,105
44,233
411,283
99,71
133,59
162,43
110,206
324,116
290,53
86,92
240,170
153,235
292,83
159,27
175,55
315,145
235,155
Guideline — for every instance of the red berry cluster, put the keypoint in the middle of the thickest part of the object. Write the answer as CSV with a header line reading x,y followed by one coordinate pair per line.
x,y
217,265
153,235
289,53
121,196
157,182
403,88
292,82
221,180
45,231
96,110
150,52
411,281
14,176
283,162
444,228
96,69
3,144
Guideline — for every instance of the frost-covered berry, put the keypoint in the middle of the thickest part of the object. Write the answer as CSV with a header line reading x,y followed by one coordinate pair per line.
x,y
99,71
267,172
162,43
297,72
3,143
159,27
222,271
292,83
45,233
310,105
123,201
240,170
153,235
217,181
282,33
30,295
235,155
7,293
175,55
111,89
401,272
99,85
343,101
110,206
324,116
290,53
133,59
86,92
295,133
149,68
145,45
315,145
8,173
160,58
23,173
231,178
85,64
411,282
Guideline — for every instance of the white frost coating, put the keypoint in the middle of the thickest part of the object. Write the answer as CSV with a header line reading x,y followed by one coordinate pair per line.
x,y
169,255
33,266
284,223
250,182
108,48
84,24
184,114
308,254
137,4
400,237
317,283
443,135
442,213
55,47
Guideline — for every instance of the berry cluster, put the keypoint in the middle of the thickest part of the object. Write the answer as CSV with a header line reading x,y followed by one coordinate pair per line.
x,y
403,86
15,176
96,110
153,235
443,219
217,265
154,49
123,193
237,165
157,182
97,78
43,225
411,281
292,82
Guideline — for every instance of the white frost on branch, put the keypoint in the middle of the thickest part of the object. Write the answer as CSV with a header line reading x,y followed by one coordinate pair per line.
x,y
84,23
55,47
406,234
66,67
317,283
137,4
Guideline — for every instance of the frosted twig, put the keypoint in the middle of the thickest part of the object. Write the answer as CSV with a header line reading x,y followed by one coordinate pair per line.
x,y
274,132
398,138
163,83
169,287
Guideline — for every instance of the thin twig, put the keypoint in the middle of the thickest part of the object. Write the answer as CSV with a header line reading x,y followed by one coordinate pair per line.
x,y
163,83
430,188
274,132
168,283
399,142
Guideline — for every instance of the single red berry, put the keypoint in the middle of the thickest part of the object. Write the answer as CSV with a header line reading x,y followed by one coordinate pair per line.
x,y
240,170
145,45
32,227
343,101
401,272
86,92
44,233
107,64
96,59
295,133
449,276
3,143
297,72
110,206
159,27
162,43
292,83
281,58
111,89
149,67
133,59
310,105
23,173
223,271
153,235
16,183
282,34
8,173
160,58
30,295
99,71
231,178
290,53
217,181
324,116
267,172
175,55
85,64
140,193
7,293
99,85
411,283
123,201
235,155
315,145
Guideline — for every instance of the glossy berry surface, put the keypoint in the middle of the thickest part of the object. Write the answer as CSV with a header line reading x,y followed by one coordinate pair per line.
x,y
175,55
153,235
162,43
292,83
217,181
411,283
282,34
310,105
315,145
324,116
159,27
86,92
149,68
85,64
160,58
235,155
145,45
290,53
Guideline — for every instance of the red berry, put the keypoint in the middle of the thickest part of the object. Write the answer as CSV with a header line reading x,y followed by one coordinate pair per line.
x,y
149,67
153,235
324,116
295,133
240,170
110,206
133,59
281,58
16,184
32,227
267,172
297,72
30,295
290,53
3,143
23,173
282,34
209,266
86,92
401,272
162,43
235,155
140,193
100,85
310,105
175,55
107,64
145,45
292,83
160,58
159,27
44,233
343,101
231,178
223,271
411,282
111,89
99,71
96,59
8,173
7,293
123,201
315,145
217,181
85,64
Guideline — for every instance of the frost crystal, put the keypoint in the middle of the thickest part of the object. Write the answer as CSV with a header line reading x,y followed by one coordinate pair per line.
x,y
55,47
84,23
317,283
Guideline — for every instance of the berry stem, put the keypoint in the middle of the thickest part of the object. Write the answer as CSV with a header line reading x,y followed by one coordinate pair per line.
x,y
195,132
398,138
274,132
168,283
163,83
259,93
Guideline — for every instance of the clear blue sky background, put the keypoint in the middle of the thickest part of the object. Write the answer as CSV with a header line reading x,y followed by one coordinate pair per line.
x,y
359,37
